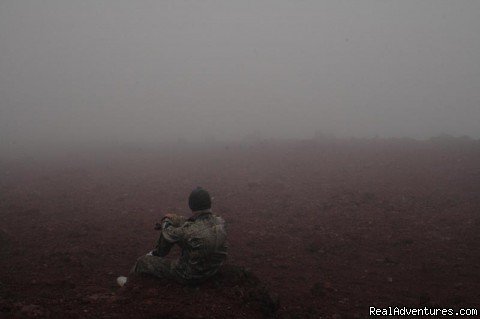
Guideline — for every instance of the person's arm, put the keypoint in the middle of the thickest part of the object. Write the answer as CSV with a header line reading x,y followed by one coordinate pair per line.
x,y
163,247
171,232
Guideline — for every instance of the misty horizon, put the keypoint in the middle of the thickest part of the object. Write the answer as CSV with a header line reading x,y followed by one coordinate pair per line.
x,y
143,71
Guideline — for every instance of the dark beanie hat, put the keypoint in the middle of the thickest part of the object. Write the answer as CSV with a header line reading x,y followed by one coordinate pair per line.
x,y
199,199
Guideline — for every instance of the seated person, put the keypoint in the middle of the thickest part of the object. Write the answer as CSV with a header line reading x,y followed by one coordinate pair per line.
x,y
202,239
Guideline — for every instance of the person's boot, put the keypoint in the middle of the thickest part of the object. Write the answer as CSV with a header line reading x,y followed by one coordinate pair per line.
x,y
122,280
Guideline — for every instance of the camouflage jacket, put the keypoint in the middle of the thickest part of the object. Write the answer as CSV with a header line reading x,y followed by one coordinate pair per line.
x,y
202,239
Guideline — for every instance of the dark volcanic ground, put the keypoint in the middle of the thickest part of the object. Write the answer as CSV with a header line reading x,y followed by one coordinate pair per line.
x,y
322,229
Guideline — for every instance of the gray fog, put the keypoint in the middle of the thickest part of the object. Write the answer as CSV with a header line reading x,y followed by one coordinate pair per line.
x,y
147,71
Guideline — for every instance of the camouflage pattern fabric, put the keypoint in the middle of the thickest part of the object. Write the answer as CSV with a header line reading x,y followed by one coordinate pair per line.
x,y
202,239
155,266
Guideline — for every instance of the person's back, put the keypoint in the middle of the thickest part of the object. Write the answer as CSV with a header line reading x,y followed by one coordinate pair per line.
x,y
202,239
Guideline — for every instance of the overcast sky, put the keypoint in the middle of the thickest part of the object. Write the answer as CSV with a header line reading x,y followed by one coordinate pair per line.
x,y
160,70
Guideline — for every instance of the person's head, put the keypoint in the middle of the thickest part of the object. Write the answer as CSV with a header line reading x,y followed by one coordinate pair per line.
x,y
199,199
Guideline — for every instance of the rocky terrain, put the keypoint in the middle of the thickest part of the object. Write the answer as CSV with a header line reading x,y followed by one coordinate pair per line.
x,y
317,229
